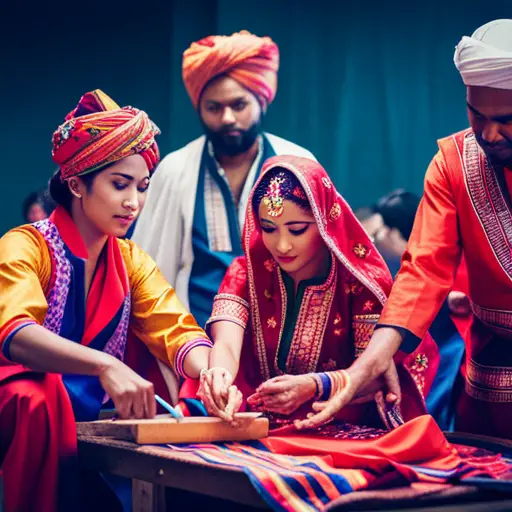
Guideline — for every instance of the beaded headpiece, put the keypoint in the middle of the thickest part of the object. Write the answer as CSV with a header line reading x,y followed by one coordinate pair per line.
x,y
273,198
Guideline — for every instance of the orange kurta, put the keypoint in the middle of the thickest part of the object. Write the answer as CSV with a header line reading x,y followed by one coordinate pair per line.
x,y
465,208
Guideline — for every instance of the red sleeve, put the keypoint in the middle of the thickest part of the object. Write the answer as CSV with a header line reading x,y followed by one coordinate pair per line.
x,y
431,259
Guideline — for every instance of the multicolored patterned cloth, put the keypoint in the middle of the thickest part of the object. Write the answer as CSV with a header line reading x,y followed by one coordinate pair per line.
x,y
98,132
303,483
250,60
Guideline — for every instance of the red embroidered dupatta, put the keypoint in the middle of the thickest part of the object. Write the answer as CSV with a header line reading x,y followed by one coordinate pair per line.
x,y
336,318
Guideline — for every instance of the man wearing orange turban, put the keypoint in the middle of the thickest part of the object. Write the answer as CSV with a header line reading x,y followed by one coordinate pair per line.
x,y
195,208
250,60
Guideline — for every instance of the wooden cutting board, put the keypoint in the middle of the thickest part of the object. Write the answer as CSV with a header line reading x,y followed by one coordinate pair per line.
x,y
164,429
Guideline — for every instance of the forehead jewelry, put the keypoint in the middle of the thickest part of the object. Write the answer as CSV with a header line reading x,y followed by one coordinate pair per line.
x,y
273,199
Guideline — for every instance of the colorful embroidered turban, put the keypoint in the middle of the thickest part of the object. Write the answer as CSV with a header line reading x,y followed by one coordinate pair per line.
x,y
250,60
98,132
485,58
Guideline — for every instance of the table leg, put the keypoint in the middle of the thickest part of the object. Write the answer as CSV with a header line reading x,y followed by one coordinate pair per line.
x,y
147,497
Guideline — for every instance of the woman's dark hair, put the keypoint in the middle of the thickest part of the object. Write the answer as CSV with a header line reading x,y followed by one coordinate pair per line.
x,y
291,189
398,210
59,190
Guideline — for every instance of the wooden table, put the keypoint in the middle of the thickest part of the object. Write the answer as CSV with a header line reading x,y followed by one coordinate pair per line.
x,y
153,469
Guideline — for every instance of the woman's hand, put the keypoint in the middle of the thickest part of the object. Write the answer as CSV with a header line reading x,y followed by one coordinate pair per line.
x,y
218,394
284,394
356,390
133,396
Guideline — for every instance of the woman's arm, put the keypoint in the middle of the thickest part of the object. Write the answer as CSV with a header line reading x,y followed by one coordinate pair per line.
x,y
227,348
38,348
226,325
160,320
43,351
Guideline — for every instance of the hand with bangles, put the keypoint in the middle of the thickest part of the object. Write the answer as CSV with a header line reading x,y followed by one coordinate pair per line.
x,y
339,388
220,397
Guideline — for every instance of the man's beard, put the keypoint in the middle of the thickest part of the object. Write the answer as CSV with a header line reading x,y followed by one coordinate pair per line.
x,y
500,155
232,145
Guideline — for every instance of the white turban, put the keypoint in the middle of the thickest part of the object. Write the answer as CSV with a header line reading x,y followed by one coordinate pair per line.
x,y
485,58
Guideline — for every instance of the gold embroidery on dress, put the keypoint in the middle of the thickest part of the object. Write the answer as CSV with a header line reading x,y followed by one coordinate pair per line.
x,y
227,306
489,383
417,369
311,325
360,250
326,182
488,201
499,320
368,305
353,287
335,212
363,327
269,264
329,366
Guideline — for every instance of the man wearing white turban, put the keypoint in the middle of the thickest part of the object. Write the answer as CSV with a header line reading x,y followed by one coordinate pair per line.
x,y
466,209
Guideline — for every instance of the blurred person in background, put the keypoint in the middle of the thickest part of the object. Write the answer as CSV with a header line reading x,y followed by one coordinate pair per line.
x,y
37,206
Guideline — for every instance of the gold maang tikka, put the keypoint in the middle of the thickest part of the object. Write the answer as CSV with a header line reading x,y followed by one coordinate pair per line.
x,y
273,199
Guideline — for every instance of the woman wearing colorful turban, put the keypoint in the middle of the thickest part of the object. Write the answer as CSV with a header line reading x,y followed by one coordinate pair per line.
x,y
84,316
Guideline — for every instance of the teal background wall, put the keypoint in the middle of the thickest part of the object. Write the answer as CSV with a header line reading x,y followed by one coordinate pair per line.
x,y
367,86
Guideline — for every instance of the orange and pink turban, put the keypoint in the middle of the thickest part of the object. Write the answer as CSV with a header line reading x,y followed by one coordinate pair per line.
x,y
98,132
250,60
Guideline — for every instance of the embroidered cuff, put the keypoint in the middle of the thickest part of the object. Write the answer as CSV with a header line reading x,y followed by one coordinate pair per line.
x,y
231,308
12,329
363,327
181,355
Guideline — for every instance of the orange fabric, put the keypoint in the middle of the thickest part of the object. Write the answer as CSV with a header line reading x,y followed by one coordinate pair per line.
x,y
250,60
432,255
419,441
98,132
446,222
